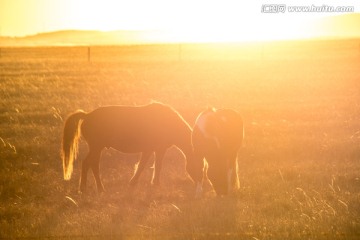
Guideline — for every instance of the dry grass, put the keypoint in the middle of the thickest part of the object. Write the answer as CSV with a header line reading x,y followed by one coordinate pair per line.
x,y
299,169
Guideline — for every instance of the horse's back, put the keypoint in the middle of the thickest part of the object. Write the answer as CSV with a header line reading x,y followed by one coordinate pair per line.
x,y
131,126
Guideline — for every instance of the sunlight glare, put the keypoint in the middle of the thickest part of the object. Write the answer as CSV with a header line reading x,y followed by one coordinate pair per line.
x,y
197,22
173,21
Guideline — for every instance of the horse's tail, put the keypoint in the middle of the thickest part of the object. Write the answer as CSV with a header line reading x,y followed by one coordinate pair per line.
x,y
71,136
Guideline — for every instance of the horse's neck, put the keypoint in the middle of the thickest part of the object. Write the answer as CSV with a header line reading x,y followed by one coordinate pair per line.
x,y
184,142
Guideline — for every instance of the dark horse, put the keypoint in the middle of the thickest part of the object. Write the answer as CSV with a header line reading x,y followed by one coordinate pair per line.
x,y
217,136
143,129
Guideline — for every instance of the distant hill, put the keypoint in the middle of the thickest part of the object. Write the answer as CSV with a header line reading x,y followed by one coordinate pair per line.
x,y
82,37
341,26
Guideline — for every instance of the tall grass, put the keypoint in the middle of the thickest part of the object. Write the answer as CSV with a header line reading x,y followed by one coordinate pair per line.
x,y
299,169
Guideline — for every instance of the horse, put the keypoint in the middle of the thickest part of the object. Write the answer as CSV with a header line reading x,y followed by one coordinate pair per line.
x,y
217,137
146,129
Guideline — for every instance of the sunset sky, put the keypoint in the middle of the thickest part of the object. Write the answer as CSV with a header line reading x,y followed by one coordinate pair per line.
x,y
218,20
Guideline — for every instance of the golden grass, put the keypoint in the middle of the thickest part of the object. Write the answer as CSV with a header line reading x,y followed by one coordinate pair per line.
x,y
299,170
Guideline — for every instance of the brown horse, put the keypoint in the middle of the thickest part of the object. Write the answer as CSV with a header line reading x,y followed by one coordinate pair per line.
x,y
143,129
217,136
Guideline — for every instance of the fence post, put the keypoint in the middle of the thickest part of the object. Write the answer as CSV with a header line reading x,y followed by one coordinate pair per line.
x,y
180,52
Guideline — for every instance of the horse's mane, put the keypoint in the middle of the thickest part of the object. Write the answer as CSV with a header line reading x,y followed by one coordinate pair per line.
x,y
156,102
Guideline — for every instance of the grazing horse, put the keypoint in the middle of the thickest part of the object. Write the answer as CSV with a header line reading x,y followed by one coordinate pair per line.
x,y
217,136
143,129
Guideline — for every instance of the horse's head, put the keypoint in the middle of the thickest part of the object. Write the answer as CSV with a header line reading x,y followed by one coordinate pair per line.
x,y
195,168
217,173
219,176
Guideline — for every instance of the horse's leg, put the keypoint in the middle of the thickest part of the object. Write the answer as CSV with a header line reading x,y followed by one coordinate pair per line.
x,y
86,164
95,166
159,155
198,169
140,167
233,178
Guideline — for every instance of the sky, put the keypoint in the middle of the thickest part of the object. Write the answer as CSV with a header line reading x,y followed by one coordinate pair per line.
x,y
185,19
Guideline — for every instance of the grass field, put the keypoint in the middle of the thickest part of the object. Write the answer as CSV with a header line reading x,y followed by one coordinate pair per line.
x,y
299,169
